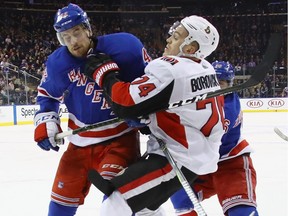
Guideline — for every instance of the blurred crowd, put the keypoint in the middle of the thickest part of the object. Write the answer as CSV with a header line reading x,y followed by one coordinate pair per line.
x,y
27,37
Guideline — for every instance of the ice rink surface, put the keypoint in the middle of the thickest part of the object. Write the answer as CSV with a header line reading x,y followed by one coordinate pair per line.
x,y
27,172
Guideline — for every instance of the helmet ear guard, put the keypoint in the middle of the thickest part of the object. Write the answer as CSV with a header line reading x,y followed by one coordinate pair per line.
x,y
69,17
201,31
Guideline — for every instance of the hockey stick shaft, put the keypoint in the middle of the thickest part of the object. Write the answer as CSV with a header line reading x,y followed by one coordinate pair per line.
x,y
86,128
182,179
281,134
256,77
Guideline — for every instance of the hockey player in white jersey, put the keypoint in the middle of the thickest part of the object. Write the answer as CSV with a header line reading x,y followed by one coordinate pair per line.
x,y
234,182
192,132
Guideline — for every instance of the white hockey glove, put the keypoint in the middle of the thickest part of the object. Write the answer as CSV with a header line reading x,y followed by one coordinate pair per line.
x,y
47,126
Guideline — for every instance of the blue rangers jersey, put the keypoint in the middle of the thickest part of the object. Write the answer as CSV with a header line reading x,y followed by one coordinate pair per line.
x,y
233,144
63,81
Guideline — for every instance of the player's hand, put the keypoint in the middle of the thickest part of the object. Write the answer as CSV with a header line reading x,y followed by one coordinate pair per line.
x,y
47,126
97,66
141,124
137,123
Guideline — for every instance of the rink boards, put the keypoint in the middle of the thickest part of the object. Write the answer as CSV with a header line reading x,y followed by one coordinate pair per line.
x,y
23,114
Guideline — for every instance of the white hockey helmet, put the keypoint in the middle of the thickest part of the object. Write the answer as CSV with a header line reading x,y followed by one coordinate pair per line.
x,y
199,30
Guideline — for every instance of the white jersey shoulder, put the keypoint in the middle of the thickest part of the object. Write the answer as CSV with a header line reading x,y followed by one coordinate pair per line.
x,y
190,78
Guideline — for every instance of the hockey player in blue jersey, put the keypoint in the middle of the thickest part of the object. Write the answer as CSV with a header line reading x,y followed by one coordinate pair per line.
x,y
235,180
107,149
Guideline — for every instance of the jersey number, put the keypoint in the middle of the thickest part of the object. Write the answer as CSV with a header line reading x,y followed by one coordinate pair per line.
x,y
217,107
144,88
146,56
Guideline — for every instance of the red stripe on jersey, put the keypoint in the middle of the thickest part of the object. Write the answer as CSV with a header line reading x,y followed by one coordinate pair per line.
x,y
170,124
144,179
65,200
121,94
42,91
238,148
103,133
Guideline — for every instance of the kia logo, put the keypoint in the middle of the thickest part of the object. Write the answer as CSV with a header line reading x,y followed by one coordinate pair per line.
x,y
276,103
254,103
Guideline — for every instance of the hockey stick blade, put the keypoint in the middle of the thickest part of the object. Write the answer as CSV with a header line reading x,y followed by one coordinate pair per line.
x,y
99,182
280,134
258,75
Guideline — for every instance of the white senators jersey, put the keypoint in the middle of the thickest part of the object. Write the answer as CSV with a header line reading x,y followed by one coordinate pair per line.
x,y
191,132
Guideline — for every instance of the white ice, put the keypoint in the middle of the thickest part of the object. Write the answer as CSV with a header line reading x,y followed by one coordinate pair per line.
x,y
27,172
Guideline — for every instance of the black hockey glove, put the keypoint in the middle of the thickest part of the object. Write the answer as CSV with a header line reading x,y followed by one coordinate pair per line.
x,y
98,65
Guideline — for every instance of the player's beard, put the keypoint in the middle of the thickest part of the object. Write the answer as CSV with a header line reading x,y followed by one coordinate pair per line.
x,y
79,51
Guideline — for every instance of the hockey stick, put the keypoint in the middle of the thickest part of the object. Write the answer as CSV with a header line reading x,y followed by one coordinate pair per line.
x,y
86,128
280,134
257,76
182,179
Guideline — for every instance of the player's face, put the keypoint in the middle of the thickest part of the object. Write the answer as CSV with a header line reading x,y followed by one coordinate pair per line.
x,y
223,84
77,41
175,40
